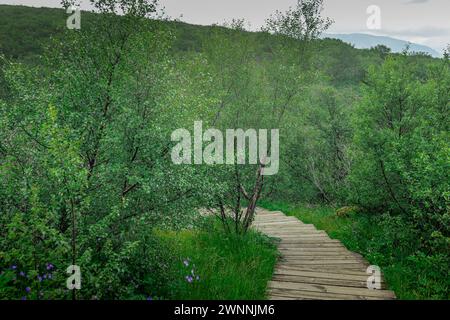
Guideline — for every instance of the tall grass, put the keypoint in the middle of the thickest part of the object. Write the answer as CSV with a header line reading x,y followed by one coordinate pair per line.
x,y
214,265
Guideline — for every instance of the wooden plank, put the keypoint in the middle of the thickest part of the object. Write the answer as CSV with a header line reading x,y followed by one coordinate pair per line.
x,y
310,246
288,234
341,269
291,249
319,237
317,265
328,267
274,217
318,256
287,227
323,258
302,295
330,289
293,222
328,281
305,250
293,243
301,234
296,231
276,220
319,273
299,241
285,233
275,223
317,251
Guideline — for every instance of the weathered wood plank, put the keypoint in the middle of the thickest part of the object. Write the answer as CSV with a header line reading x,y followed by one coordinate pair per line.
x,y
327,281
301,241
293,258
330,289
324,269
318,252
309,244
302,295
292,223
303,233
318,257
350,266
314,273
287,227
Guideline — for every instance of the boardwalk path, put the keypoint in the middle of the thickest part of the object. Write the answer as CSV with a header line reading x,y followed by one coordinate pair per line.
x,y
312,265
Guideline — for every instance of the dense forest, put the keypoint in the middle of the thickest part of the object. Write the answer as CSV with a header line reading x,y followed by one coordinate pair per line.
x,y
86,118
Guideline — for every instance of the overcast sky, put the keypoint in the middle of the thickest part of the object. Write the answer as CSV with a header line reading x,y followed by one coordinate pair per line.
x,y
421,21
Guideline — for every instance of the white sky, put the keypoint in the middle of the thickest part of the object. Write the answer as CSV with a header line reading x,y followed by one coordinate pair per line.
x,y
421,21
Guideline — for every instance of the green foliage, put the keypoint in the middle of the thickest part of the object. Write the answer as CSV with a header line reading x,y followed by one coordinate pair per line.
x,y
84,185
401,144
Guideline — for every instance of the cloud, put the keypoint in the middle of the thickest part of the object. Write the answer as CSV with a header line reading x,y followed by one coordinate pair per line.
x,y
415,1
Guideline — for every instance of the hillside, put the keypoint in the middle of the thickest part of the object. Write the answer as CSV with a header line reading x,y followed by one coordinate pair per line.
x,y
342,62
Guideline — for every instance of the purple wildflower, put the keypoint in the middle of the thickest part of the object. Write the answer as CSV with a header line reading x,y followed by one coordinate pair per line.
x,y
49,276
23,298
186,262
13,267
22,274
39,278
149,298
189,279
28,289
50,266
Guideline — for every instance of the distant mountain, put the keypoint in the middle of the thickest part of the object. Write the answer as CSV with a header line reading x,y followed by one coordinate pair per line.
x,y
367,41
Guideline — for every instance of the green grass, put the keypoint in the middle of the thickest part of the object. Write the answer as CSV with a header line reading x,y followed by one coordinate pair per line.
x,y
385,241
230,267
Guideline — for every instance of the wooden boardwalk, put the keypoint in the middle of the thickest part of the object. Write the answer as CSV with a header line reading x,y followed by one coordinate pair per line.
x,y
312,265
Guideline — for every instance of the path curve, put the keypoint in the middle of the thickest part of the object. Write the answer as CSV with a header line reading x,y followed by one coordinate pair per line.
x,y
312,265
